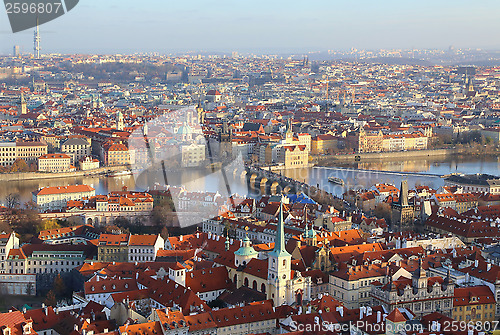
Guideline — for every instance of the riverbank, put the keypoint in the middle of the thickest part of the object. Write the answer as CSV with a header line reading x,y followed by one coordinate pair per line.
x,y
335,160
40,175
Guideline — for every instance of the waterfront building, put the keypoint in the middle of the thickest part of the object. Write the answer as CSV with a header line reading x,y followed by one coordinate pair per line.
x,y
225,139
55,163
482,183
56,197
293,156
88,163
28,151
7,153
192,154
371,141
116,154
323,144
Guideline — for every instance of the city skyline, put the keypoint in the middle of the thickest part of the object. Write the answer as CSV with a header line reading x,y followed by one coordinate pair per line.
x,y
260,27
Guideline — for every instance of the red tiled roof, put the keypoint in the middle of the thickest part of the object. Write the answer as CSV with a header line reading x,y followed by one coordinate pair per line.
x,y
64,189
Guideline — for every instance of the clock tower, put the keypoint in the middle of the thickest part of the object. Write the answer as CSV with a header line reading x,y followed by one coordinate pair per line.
x,y
279,266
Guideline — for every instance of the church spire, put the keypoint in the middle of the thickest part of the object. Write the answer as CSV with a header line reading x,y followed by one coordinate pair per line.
x,y
279,243
403,193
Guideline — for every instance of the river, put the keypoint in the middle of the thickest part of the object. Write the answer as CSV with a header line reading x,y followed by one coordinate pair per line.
x,y
195,180
429,172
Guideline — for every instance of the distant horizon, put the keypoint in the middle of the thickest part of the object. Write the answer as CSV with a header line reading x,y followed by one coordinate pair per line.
x,y
229,53
261,27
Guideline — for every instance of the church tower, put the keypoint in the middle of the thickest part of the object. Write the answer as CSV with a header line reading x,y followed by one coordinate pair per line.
x,y
289,132
201,114
225,142
22,109
279,266
120,125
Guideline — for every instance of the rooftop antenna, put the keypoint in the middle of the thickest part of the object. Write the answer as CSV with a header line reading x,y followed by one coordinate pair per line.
x,y
36,41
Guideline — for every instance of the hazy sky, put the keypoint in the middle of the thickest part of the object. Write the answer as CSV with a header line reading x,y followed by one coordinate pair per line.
x,y
125,26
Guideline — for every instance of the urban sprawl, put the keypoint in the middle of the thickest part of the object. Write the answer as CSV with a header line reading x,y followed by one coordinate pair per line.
x,y
288,257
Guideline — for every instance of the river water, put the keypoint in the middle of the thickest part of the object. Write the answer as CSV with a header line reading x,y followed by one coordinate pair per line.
x,y
417,172
195,180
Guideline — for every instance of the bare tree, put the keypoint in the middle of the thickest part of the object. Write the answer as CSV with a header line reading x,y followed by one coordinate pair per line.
x,y
12,201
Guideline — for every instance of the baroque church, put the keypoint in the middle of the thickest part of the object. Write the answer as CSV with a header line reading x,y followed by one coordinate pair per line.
x,y
269,273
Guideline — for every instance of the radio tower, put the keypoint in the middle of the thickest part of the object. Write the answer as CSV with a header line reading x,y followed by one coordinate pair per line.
x,y
36,41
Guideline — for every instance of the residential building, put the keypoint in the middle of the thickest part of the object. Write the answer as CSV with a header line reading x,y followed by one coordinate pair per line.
x,y
116,154
474,304
76,148
113,248
143,248
30,151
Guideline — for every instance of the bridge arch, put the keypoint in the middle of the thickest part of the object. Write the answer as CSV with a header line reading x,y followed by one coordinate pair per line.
x,y
252,180
262,185
275,187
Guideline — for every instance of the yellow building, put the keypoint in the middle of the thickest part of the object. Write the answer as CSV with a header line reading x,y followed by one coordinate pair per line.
x,y
472,304
323,144
30,151
370,142
294,156
116,154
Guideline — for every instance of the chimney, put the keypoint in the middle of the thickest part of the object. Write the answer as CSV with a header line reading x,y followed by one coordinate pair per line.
x,y
488,266
476,263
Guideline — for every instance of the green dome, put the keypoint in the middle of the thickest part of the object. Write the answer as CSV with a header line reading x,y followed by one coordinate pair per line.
x,y
310,233
185,129
246,249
